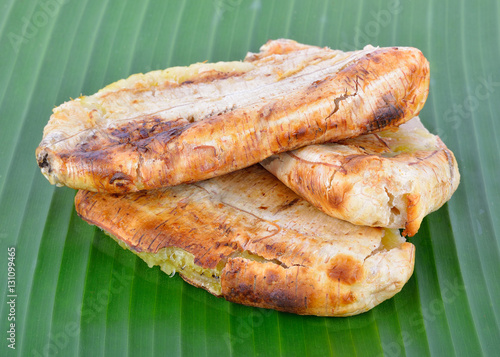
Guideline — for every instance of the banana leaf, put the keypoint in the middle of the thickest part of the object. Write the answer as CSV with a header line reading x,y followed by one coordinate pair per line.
x,y
77,293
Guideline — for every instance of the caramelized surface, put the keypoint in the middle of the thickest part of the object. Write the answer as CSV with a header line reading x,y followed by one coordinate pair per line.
x,y
393,178
247,237
187,124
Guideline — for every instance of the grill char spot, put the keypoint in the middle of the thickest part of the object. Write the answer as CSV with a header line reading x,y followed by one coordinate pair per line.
x,y
345,269
386,113
43,162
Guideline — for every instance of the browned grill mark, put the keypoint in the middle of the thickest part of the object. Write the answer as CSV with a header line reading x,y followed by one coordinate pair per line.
x,y
382,141
44,162
287,205
420,159
119,176
290,153
337,195
348,298
345,269
387,112
271,277
211,76
203,77
272,233
137,131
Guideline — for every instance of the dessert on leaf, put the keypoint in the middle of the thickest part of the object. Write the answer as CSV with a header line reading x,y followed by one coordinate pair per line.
x,y
167,163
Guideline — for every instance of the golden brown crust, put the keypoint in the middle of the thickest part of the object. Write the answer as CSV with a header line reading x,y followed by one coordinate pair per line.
x,y
304,291
390,179
153,131
261,244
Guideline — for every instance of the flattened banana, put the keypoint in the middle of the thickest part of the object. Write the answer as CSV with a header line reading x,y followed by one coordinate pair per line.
x,y
186,124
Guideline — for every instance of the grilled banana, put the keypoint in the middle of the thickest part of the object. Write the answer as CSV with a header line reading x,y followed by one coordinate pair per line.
x,y
186,124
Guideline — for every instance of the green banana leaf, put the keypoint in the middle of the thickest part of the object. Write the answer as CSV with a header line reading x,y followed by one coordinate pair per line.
x,y
77,293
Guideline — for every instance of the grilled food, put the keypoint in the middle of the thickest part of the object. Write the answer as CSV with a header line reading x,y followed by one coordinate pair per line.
x,y
393,178
186,124
247,237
